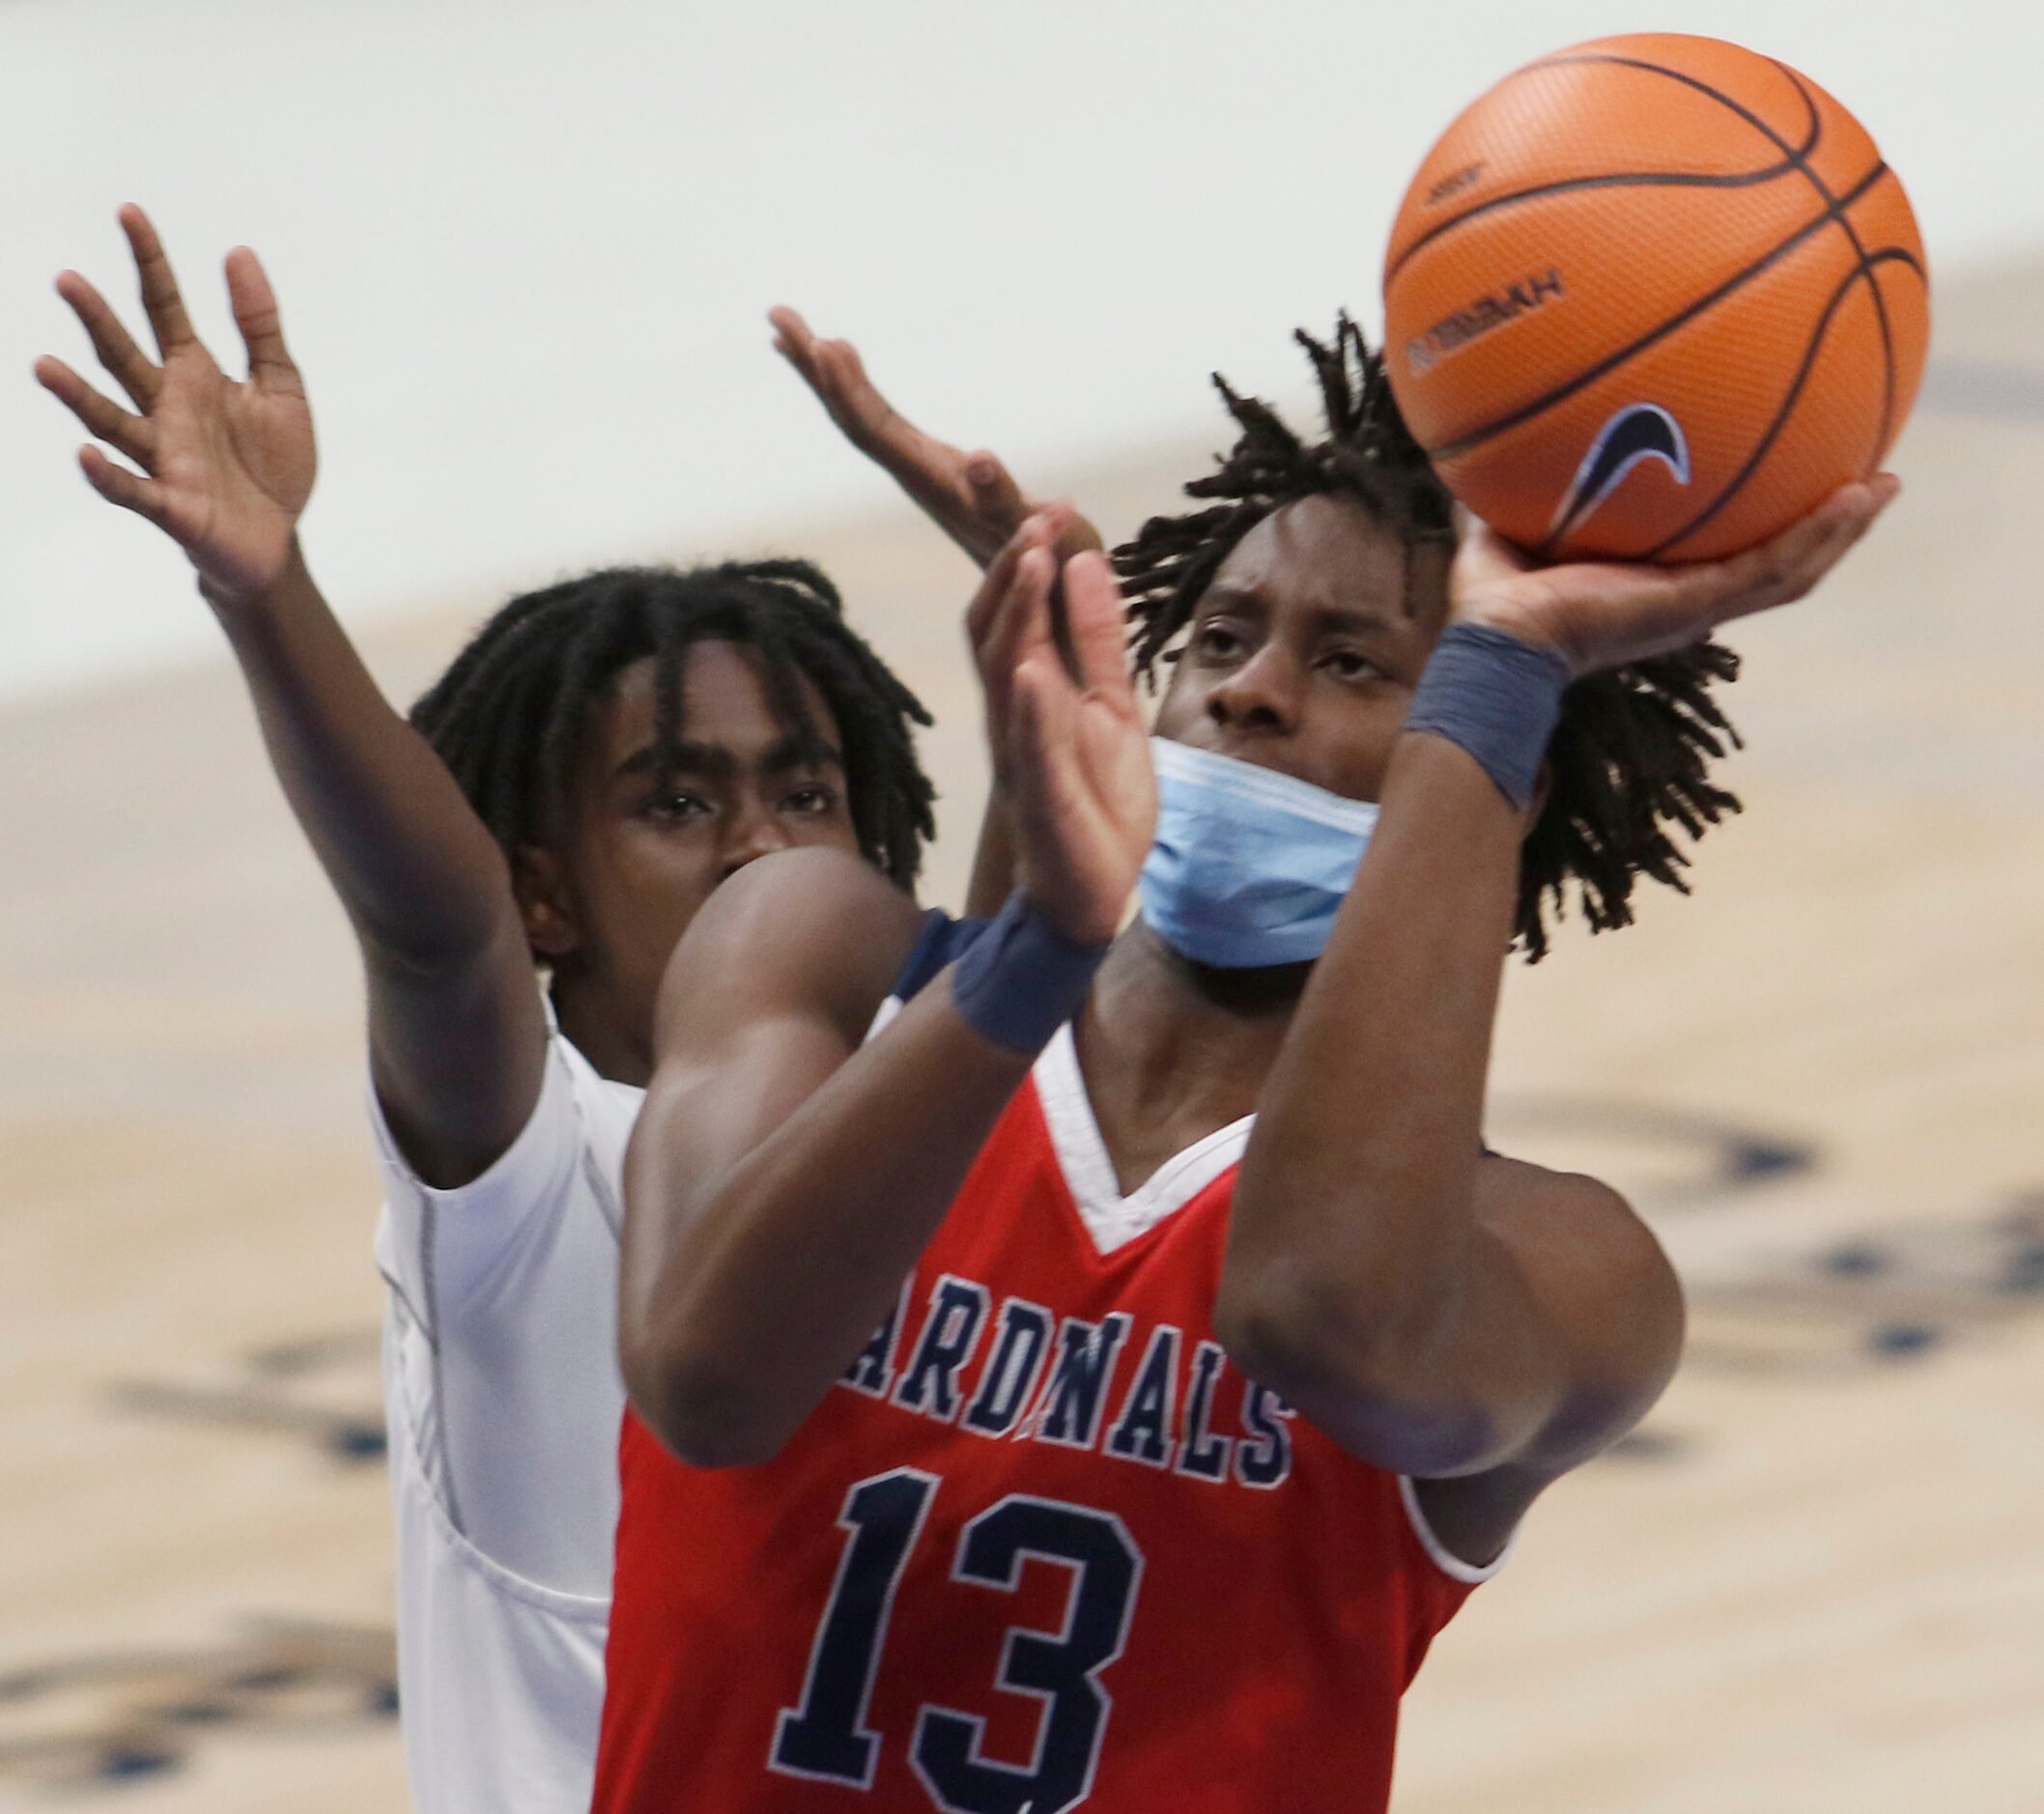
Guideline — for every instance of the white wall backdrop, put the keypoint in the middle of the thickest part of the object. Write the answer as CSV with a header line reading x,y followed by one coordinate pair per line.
x,y
524,249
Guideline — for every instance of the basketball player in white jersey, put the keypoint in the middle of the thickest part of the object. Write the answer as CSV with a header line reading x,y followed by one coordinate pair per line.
x,y
599,758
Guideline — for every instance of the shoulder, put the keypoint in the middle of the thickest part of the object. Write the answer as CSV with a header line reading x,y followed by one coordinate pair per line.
x,y
1604,1283
820,928
482,1246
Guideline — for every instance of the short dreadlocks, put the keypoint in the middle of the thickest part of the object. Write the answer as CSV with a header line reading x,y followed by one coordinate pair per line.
x,y
1631,754
509,715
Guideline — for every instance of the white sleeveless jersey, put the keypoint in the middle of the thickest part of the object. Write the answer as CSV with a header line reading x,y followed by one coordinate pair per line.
x,y
503,1398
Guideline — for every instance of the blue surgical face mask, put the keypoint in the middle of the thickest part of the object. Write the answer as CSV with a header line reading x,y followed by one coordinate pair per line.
x,y
1249,866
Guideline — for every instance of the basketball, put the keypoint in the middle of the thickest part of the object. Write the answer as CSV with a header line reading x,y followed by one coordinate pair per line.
x,y
1654,297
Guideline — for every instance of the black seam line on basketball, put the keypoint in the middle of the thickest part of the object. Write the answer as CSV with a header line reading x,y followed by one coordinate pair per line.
x,y
1888,255
1630,179
1793,156
1801,158
1888,349
1887,337
1767,441
1527,411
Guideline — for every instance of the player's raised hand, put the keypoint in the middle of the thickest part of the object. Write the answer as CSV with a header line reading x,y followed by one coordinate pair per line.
x,y
1607,613
971,496
996,624
1078,771
226,464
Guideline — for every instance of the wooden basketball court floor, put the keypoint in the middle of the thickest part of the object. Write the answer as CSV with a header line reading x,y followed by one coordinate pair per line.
x,y
1814,1581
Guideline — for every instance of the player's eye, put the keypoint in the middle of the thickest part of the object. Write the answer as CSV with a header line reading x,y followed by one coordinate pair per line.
x,y
812,797
1349,665
673,807
1218,640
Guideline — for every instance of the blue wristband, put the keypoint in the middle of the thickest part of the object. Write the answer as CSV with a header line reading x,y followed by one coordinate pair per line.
x,y
1021,979
1497,698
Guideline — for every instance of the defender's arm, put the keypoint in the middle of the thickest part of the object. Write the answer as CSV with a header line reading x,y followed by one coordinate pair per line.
x,y
972,498
457,1033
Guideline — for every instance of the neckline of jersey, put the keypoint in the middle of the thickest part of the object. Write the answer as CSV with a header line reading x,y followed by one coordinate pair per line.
x,y
1111,1220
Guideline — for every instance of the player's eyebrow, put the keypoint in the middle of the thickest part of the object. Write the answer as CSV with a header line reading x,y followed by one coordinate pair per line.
x,y
710,760
1242,596
801,750
715,761
1352,618
1234,594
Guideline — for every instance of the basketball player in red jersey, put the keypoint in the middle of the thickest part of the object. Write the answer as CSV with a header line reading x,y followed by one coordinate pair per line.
x,y
1097,1388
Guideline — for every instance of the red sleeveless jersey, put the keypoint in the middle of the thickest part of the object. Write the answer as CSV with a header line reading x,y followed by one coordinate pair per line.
x,y
1042,1547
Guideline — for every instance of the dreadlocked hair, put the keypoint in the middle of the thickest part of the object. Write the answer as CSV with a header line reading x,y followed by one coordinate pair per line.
x,y
1630,757
509,714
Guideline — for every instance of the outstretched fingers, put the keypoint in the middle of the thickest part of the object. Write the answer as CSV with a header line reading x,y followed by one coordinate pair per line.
x,y
113,346
1100,636
844,379
1002,608
122,431
925,468
1043,756
119,486
1083,800
1028,622
835,372
1078,766
161,297
271,366
794,341
1788,566
1603,615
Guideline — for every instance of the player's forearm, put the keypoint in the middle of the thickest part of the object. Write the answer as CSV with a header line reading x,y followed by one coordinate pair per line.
x,y
1352,1243
422,880
748,1292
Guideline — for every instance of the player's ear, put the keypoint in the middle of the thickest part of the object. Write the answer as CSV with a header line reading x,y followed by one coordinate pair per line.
x,y
1543,787
539,882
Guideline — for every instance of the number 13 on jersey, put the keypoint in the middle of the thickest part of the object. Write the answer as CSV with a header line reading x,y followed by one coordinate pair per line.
x,y
827,1737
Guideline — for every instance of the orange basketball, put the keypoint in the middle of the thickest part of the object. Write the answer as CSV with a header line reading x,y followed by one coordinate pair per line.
x,y
1654,297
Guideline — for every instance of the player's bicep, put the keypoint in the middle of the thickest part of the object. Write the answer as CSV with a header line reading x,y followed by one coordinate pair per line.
x,y
457,1056
714,1100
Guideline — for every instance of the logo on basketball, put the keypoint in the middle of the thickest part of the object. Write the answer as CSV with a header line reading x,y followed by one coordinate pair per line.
x,y
1455,331
1640,431
1463,179
1704,205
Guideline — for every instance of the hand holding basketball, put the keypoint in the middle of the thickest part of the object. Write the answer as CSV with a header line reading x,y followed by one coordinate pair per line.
x,y
1078,770
227,467
1605,613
